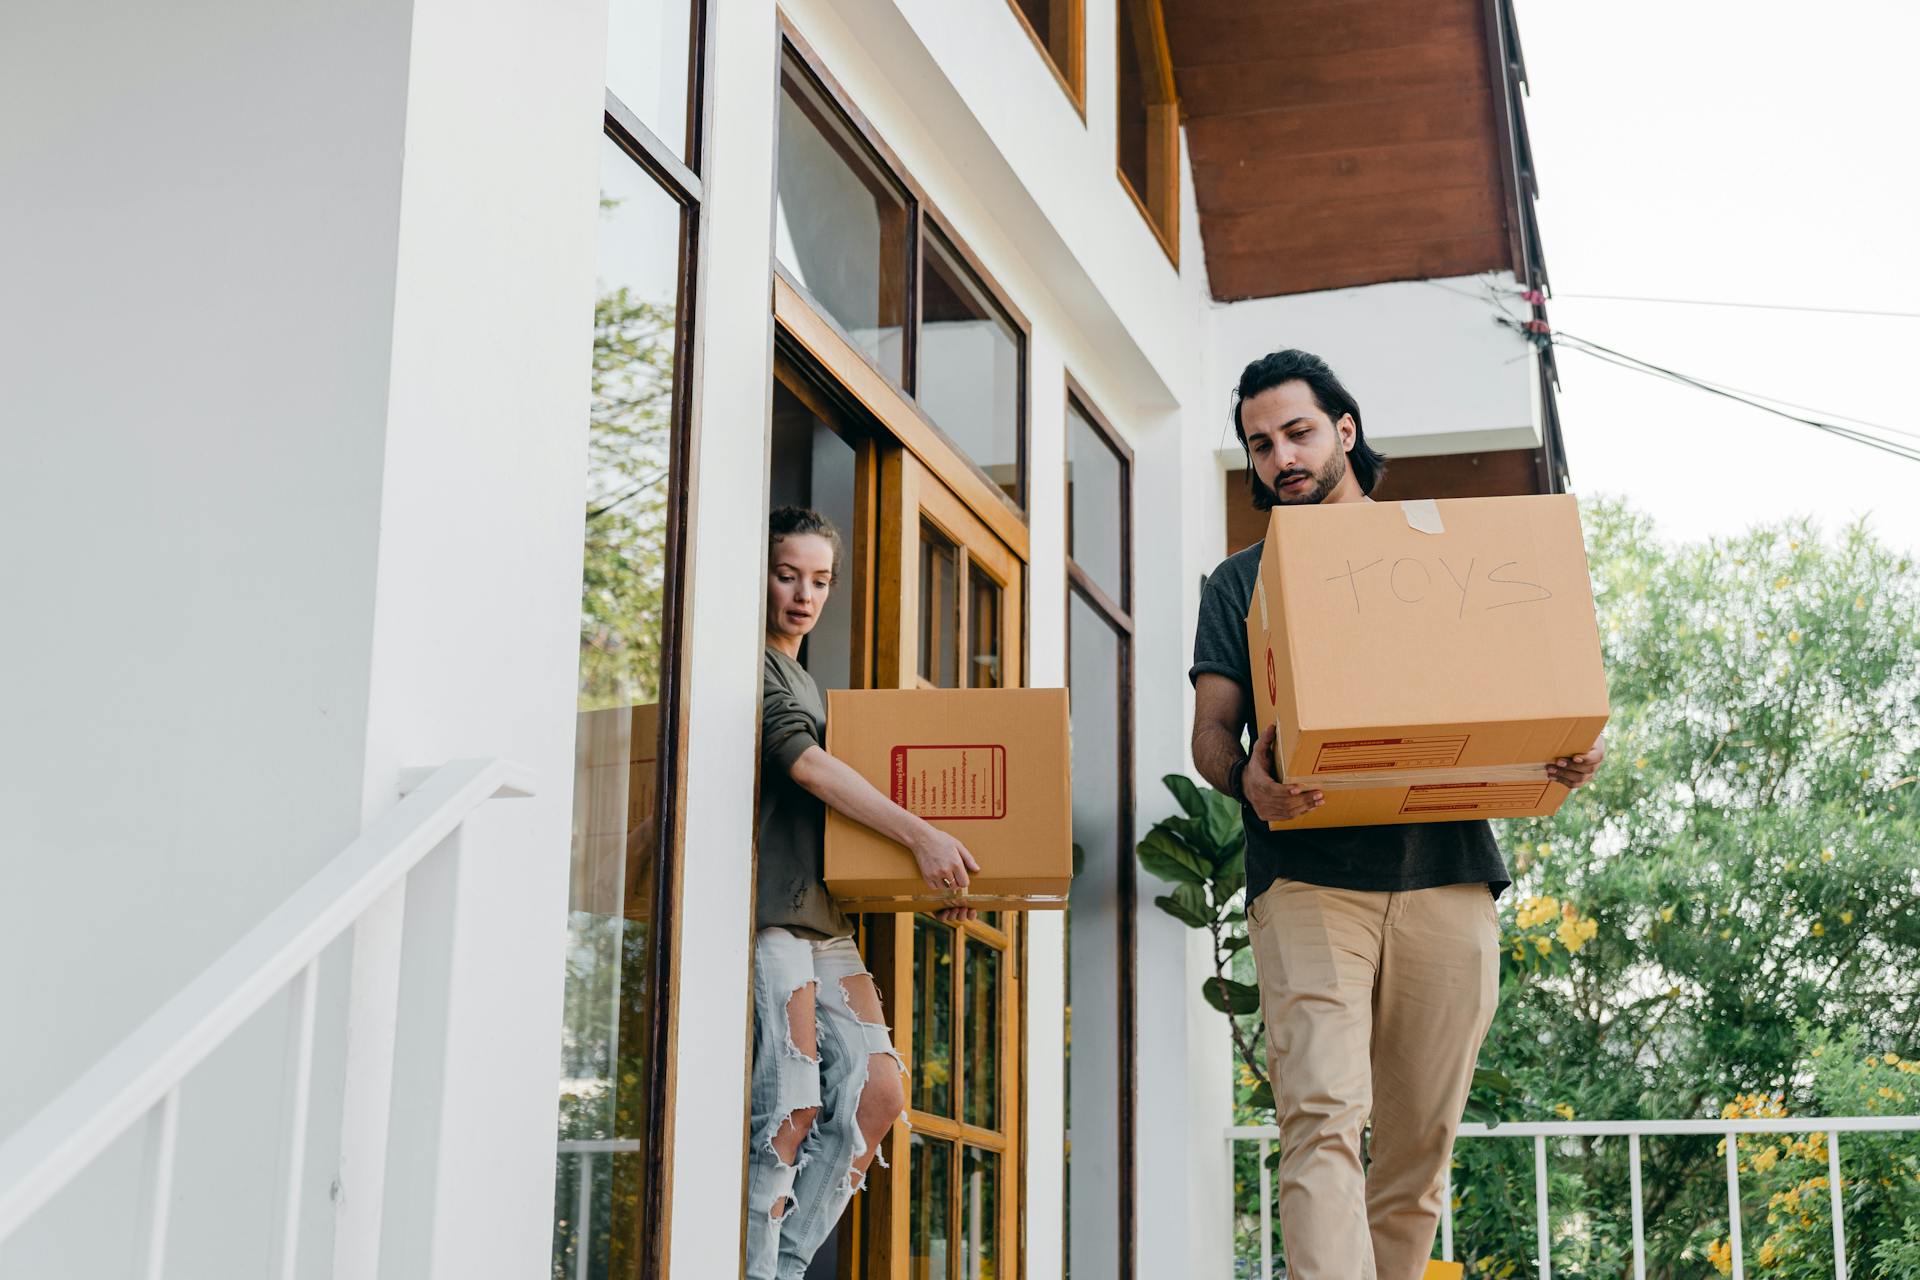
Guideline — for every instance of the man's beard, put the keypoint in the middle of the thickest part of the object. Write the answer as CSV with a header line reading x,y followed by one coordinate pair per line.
x,y
1324,483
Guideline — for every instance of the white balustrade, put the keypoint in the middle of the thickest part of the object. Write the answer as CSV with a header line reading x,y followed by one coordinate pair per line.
x,y
140,1079
1633,1131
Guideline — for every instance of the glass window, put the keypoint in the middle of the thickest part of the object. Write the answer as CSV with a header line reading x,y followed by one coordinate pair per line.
x,y
1096,502
982,1004
650,65
1149,117
930,1197
939,608
969,356
1056,29
983,630
932,1073
1095,1074
841,222
814,466
979,1214
605,1073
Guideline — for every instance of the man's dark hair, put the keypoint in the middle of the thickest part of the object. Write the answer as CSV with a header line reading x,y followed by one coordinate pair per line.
x,y
787,522
1334,400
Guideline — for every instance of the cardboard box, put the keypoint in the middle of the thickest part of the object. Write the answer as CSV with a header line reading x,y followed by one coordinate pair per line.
x,y
1425,660
615,805
990,766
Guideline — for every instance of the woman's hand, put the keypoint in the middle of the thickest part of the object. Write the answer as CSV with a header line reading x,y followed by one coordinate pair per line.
x,y
944,862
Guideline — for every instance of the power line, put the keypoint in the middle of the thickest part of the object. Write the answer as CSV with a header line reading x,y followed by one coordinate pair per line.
x,y
1750,306
1752,400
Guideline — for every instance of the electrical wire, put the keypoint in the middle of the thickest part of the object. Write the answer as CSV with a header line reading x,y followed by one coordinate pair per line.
x,y
1609,355
1746,306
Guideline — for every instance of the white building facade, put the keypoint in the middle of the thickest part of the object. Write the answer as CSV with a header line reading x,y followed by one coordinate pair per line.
x,y
324,328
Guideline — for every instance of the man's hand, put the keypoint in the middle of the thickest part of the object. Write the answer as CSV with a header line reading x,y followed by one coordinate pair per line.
x,y
944,861
1273,800
1578,771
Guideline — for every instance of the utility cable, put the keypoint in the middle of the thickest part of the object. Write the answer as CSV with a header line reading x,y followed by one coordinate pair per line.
x,y
1745,306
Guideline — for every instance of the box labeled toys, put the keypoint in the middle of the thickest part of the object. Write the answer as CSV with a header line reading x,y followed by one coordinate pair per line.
x,y
989,766
1424,661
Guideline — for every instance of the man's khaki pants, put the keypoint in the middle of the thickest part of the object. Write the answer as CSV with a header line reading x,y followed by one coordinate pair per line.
x,y
1375,1005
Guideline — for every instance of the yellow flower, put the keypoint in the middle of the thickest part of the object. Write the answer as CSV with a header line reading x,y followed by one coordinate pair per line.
x,y
1563,1110
1819,930
1720,1254
1639,762
1846,917
1543,946
1819,1049
1519,953
1885,1092
1766,1255
1765,1160
1666,914
1859,602
1826,855
1793,637
1725,934
1891,1059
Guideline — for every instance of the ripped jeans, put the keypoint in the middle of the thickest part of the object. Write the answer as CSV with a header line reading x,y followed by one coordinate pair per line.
x,y
792,1208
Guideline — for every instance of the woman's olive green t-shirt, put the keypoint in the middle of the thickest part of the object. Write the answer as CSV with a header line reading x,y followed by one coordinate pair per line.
x,y
790,893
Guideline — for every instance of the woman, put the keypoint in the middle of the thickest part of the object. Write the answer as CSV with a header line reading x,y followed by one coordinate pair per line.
x,y
826,1079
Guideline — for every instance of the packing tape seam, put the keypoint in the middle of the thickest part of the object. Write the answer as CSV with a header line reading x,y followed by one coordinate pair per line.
x,y
1420,777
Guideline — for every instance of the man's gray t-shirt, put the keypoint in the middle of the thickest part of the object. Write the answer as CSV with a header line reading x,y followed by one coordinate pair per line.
x,y
1419,855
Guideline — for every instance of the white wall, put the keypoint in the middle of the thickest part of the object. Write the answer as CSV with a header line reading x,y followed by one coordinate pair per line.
x,y
294,354
1431,369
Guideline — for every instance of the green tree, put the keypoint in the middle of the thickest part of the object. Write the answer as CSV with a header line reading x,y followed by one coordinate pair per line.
x,y
629,447
1736,890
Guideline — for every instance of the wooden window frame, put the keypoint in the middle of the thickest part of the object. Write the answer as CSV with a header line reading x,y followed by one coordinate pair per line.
x,y
1073,76
681,181
1118,616
921,214
1144,23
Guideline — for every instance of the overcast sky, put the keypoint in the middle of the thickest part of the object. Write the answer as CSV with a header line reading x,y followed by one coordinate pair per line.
x,y
1756,153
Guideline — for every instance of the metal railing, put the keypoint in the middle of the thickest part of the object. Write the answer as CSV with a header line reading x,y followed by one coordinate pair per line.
x,y
361,889
1633,1131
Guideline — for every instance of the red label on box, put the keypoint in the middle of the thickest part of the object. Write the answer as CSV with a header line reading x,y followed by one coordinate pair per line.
x,y
1473,797
956,783
1366,754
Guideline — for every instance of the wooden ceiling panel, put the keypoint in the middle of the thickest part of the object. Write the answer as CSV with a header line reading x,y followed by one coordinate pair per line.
x,y
1208,31
1341,142
1228,88
1337,224
1412,260
1239,183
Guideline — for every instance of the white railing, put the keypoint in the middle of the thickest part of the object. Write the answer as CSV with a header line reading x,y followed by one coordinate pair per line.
x,y
584,1150
364,889
1632,1131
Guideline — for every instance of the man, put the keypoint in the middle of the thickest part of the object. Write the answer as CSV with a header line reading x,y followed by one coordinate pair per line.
x,y
1377,947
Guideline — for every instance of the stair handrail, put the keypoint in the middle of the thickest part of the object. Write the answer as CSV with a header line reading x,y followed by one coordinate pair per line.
x,y
53,1147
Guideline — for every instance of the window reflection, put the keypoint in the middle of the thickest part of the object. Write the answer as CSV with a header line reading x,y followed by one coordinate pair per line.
x,y
930,1220
1148,115
604,1067
649,64
841,223
983,630
1096,495
979,1214
1094,1078
969,377
939,608
932,1070
982,1004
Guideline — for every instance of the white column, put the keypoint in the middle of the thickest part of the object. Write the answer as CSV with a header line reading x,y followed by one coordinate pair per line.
x,y
731,384
477,594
